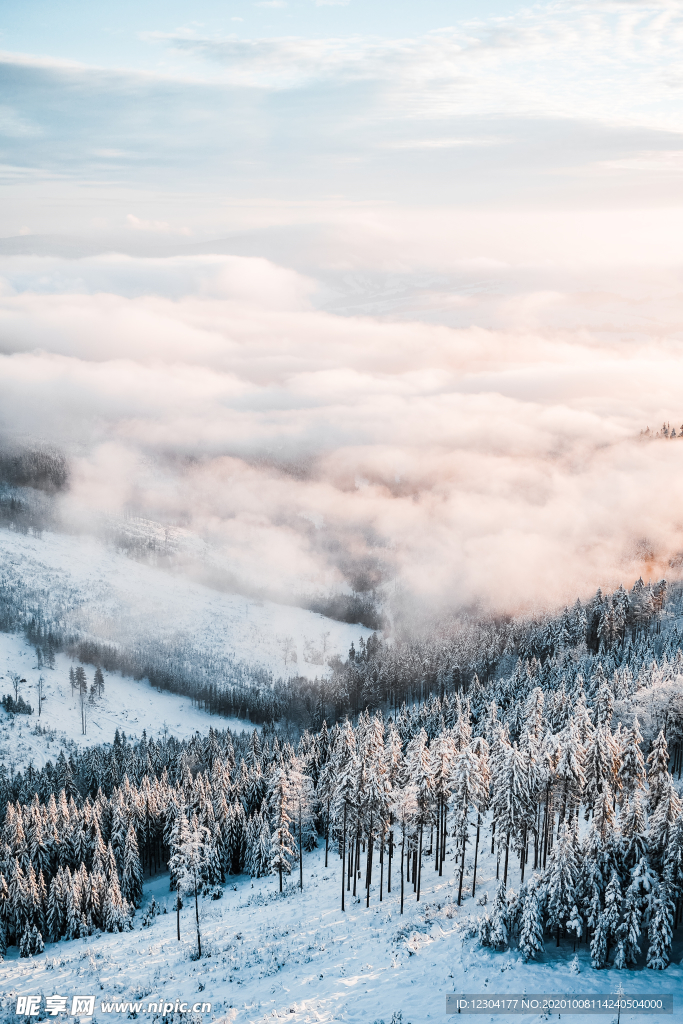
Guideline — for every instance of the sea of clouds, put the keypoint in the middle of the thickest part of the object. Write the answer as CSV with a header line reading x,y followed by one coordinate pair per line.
x,y
473,435
362,313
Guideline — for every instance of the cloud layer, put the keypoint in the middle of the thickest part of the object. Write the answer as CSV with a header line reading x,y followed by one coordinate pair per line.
x,y
394,310
309,449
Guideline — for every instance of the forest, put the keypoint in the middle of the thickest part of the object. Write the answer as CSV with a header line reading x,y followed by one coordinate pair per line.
x,y
548,764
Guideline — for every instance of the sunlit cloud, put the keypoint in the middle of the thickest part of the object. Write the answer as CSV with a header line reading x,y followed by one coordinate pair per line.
x,y
310,450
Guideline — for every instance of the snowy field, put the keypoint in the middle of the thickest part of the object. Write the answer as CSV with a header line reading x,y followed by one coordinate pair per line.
x,y
102,594
111,597
126,704
298,957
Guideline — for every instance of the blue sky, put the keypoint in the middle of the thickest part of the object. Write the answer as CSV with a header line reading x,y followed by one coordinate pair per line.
x,y
141,110
111,35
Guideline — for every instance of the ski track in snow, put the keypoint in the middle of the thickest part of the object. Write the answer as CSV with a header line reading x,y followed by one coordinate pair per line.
x,y
297,956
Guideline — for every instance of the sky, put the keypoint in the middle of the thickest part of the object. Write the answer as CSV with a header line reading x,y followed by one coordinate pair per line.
x,y
361,294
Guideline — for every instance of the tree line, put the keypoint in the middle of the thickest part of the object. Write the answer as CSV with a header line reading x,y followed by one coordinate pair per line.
x,y
585,819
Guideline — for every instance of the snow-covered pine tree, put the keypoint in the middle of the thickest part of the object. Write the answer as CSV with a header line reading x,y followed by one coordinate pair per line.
x,y
131,876
628,932
443,754
633,829
657,771
599,943
480,798
512,800
561,882
301,802
31,942
660,932
663,819
344,809
574,925
420,771
531,930
192,868
632,767
283,844
612,912
499,934
115,913
601,765
405,810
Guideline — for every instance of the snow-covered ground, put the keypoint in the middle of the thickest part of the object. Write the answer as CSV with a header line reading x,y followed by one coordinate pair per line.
x,y
109,596
126,704
296,956
95,591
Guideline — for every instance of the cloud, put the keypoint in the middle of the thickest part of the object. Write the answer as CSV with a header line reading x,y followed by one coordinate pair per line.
x,y
146,225
306,450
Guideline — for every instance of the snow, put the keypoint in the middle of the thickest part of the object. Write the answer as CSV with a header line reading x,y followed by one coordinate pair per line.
x,y
107,595
297,956
126,704
100,593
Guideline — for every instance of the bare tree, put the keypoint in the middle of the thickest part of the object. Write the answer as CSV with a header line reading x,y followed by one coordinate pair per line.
x,y
16,682
41,698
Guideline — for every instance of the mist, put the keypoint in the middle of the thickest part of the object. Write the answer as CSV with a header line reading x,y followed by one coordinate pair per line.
x,y
340,304
473,437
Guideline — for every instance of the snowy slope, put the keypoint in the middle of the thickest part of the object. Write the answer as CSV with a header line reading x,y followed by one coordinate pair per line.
x,y
98,592
111,597
298,957
126,704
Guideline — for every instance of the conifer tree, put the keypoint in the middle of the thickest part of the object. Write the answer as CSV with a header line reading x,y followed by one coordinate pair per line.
x,y
657,771
420,770
660,933
499,933
531,932
632,767
283,844
663,819
561,882
301,802
612,914
405,810
599,943
628,932
131,876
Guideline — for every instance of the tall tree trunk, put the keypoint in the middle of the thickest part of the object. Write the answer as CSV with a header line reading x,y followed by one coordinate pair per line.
x,y
476,854
196,912
391,853
507,854
327,833
403,843
419,866
462,867
301,854
369,866
344,857
381,868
